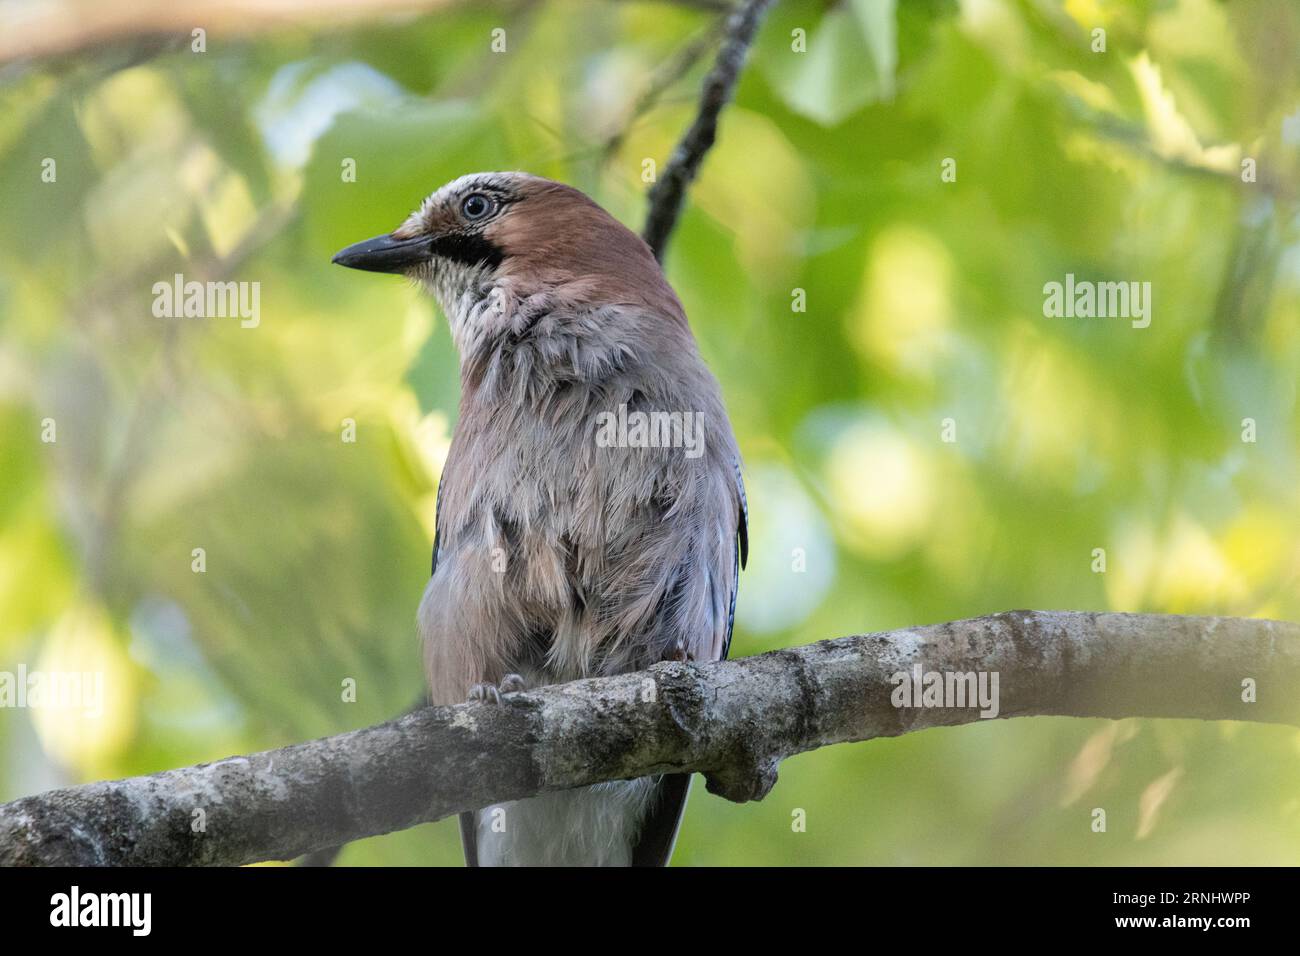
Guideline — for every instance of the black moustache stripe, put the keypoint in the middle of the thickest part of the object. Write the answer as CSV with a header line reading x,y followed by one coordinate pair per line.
x,y
469,249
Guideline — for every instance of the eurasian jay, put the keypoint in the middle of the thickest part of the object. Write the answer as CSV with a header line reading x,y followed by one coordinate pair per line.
x,y
591,518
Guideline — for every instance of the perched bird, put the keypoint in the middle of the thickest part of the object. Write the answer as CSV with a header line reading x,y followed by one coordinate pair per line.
x,y
591,518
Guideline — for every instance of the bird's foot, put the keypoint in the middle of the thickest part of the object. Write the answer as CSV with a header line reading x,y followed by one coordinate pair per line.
x,y
510,684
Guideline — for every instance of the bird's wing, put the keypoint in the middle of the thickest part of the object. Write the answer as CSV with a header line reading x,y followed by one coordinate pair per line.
x,y
742,554
437,526
468,820
658,834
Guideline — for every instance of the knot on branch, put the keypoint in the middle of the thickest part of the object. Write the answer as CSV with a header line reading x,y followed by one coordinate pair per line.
x,y
743,780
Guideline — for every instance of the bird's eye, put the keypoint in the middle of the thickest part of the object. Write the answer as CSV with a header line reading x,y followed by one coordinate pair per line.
x,y
476,206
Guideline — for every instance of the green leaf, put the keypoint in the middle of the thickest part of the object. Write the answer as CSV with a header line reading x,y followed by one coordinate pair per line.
x,y
846,61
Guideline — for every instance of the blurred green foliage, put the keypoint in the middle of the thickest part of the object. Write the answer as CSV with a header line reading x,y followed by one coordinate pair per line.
x,y
924,302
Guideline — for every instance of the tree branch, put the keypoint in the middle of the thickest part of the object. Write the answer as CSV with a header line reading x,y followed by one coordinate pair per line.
x,y
731,720
61,28
662,79
64,27
669,191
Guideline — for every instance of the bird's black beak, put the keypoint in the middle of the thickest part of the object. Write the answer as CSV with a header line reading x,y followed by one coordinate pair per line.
x,y
385,254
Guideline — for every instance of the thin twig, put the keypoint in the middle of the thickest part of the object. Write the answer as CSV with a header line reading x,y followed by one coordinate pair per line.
x,y
662,79
669,190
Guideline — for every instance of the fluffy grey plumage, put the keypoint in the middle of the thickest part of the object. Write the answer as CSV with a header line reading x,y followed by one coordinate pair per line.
x,y
559,554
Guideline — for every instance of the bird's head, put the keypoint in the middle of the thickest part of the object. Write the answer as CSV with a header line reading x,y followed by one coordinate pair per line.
x,y
491,246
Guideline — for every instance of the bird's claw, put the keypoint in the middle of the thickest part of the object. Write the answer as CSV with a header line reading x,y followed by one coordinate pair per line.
x,y
483,693
511,684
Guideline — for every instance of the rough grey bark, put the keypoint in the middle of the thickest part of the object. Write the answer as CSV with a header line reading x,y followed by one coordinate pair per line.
x,y
731,720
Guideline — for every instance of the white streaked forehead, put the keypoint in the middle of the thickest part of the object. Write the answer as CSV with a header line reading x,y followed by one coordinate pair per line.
x,y
468,183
